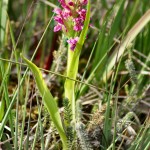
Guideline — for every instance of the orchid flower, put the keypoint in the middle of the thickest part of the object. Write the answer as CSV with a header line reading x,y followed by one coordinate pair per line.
x,y
70,19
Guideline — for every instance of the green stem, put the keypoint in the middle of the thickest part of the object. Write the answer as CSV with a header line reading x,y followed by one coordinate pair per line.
x,y
72,69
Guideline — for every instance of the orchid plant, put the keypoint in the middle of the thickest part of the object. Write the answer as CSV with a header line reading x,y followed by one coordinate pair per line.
x,y
73,19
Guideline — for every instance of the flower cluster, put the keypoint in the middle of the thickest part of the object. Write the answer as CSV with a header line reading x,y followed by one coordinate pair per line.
x,y
70,19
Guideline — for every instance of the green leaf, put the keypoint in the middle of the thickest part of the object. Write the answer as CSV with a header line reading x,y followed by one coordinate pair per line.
x,y
2,107
116,23
3,20
48,99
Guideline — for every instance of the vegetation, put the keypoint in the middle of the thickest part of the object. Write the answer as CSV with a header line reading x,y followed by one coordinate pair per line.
x,y
75,74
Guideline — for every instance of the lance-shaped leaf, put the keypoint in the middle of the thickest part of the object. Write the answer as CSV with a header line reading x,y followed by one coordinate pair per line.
x,y
48,99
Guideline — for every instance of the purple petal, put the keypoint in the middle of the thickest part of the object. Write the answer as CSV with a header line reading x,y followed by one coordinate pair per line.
x,y
58,11
57,28
66,13
82,14
58,19
73,42
77,28
71,3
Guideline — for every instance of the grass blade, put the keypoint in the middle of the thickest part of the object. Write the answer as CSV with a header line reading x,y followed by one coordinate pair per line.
x,y
116,55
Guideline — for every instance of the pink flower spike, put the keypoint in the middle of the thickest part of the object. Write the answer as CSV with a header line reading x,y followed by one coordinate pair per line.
x,y
70,18
73,42
57,28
